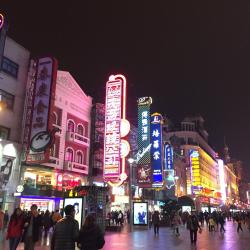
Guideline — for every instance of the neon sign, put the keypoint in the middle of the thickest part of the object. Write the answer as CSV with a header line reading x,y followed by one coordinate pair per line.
x,y
144,129
195,171
156,149
1,20
169,166
116,127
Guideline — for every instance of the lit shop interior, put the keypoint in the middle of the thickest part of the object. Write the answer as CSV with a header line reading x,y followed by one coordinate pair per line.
x,y
45,187
119,199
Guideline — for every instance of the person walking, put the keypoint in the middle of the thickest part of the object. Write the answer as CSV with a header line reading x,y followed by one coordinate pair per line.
x,y
47,223
221,222
32,224
239,221
176,222
66,231
15,228
156,222
91,236
193,226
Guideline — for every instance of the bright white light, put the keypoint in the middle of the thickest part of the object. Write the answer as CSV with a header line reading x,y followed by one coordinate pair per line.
x,y
131,160
222,179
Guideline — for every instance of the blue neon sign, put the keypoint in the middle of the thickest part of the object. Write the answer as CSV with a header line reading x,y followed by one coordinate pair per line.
x,y
156,148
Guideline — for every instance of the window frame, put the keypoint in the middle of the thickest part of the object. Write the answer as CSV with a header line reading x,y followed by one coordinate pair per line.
x,y
12,65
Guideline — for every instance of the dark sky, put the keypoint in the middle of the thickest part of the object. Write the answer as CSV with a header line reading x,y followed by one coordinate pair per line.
x,y
191,57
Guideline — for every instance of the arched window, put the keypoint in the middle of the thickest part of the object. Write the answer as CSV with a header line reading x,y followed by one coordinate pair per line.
x,y
71,126
69,155
80,129
79,157
54,118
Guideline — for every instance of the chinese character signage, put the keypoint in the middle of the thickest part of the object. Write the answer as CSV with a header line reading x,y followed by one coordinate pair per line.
x,y
156,149
169,166
116,127
44,91
98,135
143,155
195,171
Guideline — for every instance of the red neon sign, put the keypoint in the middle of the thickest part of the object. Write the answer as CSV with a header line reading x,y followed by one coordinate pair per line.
x,y
115,115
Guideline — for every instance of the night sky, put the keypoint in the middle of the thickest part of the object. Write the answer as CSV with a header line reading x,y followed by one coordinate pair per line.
x,y
191,57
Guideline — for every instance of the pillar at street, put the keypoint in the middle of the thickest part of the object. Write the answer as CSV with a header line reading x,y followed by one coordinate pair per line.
x,y
131,161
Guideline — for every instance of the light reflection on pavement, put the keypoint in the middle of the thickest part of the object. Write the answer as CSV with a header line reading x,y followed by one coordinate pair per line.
x,y
145,239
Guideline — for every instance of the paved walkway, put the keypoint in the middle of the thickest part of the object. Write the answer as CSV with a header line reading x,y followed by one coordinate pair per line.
x,y
145,240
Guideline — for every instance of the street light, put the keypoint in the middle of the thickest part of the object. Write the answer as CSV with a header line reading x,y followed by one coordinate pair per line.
x,y
130,161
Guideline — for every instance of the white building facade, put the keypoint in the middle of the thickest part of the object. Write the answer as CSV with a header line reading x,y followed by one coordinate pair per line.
x,y
13,78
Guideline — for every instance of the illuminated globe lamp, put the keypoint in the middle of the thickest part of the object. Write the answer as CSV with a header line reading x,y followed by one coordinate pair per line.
x,y
1,20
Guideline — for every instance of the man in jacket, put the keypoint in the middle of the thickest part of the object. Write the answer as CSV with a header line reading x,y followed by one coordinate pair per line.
x,y
193,226
66,231
156,222
32,225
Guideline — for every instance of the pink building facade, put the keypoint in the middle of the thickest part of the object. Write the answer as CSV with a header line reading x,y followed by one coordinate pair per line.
x,y
68,165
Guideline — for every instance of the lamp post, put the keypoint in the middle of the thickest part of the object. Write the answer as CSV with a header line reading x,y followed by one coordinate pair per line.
x,y
130,161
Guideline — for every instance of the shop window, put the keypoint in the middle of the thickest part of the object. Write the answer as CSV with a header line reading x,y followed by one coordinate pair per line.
x,y
71,126
80,130
10,67
79,157
69,155
4,133
7,99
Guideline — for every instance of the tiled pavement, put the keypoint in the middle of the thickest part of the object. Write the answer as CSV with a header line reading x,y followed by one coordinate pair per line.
x,y
145,240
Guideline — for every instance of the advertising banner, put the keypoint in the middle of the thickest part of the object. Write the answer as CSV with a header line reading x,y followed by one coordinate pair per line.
x,y
78,205
40,136
169,166
156,149
144,175
143,156
140,213
195,171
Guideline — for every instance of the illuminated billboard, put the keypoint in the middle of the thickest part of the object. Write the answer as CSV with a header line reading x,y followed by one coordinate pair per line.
x,y
222,180
169,166
38,130
116,127
156,149
195,171
78,205
140,213
143,156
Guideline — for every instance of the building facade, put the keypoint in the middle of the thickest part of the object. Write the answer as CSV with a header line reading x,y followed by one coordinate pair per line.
x,y
195,159
13,78
68,166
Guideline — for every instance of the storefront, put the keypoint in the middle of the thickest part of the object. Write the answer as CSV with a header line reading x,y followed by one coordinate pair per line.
x,y
43,203
119,200
46,187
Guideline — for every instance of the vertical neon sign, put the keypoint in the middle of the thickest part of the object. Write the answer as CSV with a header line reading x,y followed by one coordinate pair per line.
x,y
195,171
116,127
169,165
156,148
222,180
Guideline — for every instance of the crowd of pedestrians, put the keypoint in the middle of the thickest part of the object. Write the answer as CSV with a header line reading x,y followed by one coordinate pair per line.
x,y
195,222
30,226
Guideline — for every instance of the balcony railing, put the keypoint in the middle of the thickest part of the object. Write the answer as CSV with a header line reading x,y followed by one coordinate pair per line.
x,y
72,136
75,167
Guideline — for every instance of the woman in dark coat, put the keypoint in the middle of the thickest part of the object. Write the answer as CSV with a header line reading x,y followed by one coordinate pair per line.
x,y
91,236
